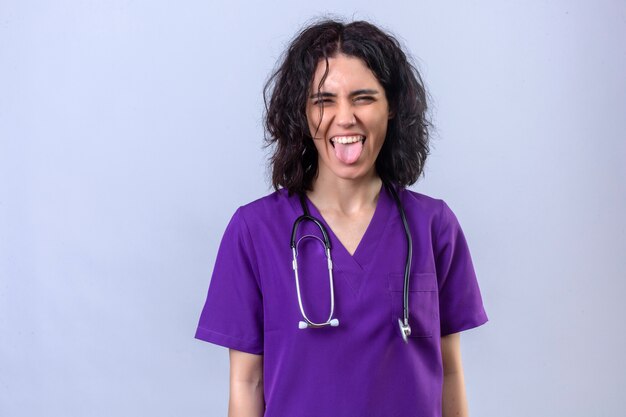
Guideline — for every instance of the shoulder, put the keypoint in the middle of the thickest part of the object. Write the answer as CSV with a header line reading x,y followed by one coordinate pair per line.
x,y
258,219
267,209
436,210
422,203
270,200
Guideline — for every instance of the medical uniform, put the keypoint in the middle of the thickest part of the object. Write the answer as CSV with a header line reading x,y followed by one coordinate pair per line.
x,y
362,368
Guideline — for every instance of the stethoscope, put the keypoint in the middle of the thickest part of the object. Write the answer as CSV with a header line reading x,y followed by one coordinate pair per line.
x,y
405,328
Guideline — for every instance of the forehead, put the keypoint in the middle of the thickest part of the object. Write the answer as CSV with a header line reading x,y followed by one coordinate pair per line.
x,y
344,73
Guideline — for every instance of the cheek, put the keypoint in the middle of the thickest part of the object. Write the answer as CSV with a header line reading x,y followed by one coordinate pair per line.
x,y
379,125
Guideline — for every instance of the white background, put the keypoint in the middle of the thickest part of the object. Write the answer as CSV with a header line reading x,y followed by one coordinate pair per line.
x,y
131,130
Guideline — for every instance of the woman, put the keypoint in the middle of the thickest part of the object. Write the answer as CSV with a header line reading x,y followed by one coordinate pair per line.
x,y
346,119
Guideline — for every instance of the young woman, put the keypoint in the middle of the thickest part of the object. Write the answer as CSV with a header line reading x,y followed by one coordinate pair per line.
x,y
343,293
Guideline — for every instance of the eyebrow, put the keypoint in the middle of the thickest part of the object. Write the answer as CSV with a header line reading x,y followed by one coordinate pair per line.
x,y
352,94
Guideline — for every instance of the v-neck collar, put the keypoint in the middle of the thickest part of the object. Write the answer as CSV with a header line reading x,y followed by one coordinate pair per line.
x,y
358,265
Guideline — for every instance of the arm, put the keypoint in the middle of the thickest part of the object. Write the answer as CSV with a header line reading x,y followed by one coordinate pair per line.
x,y
246,385
454,399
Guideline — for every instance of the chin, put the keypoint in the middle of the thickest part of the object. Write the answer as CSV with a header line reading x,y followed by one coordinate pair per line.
x,y
351,172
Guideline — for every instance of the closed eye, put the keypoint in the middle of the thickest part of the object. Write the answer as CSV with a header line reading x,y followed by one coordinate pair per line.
x,y
324,100
364,99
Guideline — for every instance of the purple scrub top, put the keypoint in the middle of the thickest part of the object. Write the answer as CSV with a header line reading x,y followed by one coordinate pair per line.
x,y
362,367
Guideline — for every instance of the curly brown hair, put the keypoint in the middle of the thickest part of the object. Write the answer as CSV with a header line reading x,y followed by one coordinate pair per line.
x,y
294,159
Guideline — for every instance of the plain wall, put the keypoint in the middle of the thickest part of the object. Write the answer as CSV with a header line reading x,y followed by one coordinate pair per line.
x,y
130,131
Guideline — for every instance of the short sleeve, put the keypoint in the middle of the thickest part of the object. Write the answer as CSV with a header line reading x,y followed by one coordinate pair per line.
x,y
233,312
460,301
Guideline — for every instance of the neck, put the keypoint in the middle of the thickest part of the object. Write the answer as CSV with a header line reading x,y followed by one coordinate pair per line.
x,y
343,195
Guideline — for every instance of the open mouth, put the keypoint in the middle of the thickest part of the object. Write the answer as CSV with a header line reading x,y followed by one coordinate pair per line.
x,y
346,140
348,148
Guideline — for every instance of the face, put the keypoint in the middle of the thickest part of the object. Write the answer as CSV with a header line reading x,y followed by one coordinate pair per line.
x,y
354,123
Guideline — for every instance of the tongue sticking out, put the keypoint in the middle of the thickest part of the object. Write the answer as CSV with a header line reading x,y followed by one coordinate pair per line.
x,y
348,153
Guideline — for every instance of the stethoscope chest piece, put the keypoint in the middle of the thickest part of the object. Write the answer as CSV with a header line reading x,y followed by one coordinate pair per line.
x,y
405,330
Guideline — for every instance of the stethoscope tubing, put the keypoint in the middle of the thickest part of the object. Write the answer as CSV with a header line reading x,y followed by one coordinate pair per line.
x,y
405,328
294,250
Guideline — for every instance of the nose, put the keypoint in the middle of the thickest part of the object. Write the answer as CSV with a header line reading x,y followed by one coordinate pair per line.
x,y
345,115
